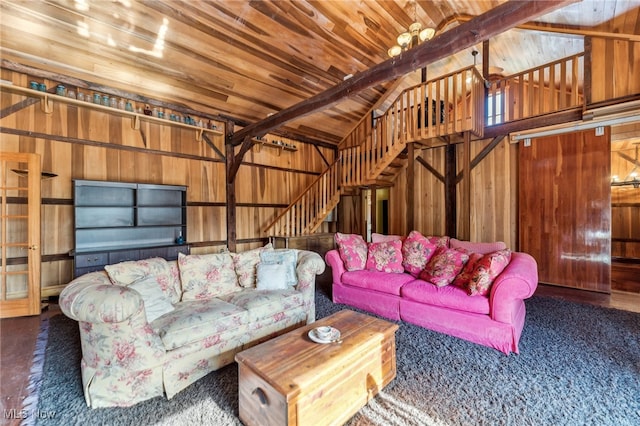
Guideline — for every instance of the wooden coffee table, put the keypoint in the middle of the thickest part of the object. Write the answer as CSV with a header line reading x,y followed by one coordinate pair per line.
x,y
290,380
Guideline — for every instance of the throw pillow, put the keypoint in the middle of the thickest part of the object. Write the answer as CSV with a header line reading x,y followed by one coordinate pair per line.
x,y
385,257
286,257
353,251
482,248
125,273
245,265
156,303
443,267
381,238
272,276
416,252
486,271
442,241
465,275
205,276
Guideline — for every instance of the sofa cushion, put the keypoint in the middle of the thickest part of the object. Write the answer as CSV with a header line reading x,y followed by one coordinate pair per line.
x,y
450,297
264,304
195,320
486,270
385,257
125,273
444,266
156,303
416,252
353,251
205,276
245,265
378,281
482,248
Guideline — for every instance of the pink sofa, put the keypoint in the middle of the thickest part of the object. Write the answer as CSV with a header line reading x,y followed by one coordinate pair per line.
x,y
495,320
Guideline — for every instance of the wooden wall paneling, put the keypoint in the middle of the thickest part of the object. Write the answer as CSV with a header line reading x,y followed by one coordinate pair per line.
x,y
615,65
494,194
430,215
350,214
398,221
564,208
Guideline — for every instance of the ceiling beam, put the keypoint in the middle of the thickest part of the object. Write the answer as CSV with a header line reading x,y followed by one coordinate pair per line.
x,y
497,20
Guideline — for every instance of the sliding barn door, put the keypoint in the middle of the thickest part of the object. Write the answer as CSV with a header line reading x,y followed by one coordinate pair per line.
x,y
565,208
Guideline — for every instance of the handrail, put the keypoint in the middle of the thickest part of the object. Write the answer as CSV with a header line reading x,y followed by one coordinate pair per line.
x,y
550,87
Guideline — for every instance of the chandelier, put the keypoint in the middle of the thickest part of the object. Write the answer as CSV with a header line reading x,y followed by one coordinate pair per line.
x,y
411,38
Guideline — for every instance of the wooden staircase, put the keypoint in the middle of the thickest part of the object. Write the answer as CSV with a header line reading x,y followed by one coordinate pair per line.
x,y
372,153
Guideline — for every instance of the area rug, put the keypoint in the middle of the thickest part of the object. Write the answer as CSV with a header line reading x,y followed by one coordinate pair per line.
x,y
578,365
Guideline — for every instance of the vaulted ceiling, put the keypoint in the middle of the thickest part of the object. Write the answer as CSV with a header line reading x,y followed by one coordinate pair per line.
x,y
248,59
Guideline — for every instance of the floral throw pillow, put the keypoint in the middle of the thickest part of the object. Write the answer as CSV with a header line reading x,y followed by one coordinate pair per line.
x,y
245,265
353,251
125,273
385,257
206,276
464,277
442,241
416,252
444,266
486,270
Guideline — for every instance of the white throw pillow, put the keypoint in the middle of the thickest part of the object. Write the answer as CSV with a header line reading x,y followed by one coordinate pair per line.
x,y
272,276
156,303
286,257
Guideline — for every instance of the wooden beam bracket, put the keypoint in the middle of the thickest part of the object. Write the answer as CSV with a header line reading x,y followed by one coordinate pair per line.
x,y
135,122
46,104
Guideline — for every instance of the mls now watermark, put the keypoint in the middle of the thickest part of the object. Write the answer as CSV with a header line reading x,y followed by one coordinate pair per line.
x,y
14,413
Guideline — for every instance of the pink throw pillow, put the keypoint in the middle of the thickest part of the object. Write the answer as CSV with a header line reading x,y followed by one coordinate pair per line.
x,y
416,252
482,248
353,251
439,241
444,266
385,257
381,238
464,277
486,271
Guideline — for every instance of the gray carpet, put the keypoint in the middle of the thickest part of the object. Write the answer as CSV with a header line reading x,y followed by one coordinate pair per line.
x,y
578,365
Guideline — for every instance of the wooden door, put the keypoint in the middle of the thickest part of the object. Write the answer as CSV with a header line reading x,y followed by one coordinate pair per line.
x,y
565,208
19,234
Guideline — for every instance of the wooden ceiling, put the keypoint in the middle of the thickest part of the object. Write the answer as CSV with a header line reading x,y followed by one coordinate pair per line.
x,y
248,59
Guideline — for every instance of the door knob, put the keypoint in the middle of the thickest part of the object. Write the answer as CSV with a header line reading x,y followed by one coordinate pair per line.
x,y
33,247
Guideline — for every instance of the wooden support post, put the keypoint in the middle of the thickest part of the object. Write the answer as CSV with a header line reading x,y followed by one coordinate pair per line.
x,y
465,217
450,208
374,208
230,174
410,187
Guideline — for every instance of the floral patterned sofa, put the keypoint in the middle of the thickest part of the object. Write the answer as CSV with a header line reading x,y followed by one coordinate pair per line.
x,y
153,327
474,291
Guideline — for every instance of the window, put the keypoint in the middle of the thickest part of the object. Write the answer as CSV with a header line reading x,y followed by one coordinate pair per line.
x,y
494,118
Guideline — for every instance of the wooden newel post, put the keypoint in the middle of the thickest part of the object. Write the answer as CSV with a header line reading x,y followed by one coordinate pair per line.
x,y
230,174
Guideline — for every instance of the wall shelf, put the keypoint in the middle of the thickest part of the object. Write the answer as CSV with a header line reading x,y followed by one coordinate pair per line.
x,y
259,143
47,102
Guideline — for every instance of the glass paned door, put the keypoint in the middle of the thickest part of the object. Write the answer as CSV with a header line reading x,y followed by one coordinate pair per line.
x,y
19,234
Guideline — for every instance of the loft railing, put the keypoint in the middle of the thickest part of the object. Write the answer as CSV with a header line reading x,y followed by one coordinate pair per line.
x,y
552,87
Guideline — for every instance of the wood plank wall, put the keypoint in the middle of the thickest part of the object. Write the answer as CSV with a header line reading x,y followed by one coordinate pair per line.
x,y
493,195
615,66
79,143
